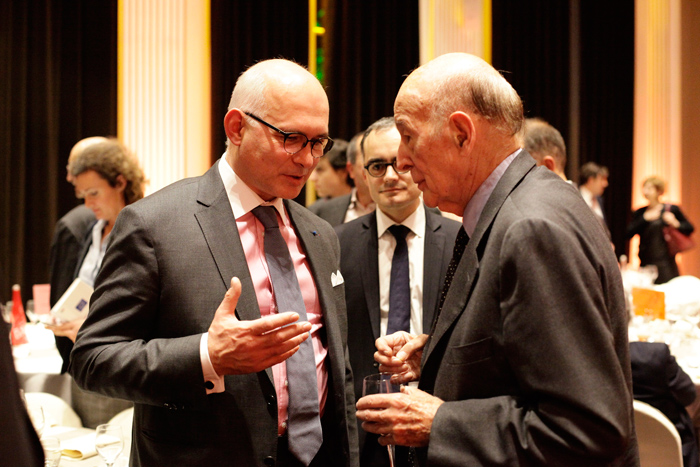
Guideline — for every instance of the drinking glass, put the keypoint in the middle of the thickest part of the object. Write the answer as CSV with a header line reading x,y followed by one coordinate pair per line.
x,y
52,451
36,415
380,383
109,442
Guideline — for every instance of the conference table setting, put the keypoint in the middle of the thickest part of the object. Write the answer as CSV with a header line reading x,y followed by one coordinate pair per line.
x,y
47,394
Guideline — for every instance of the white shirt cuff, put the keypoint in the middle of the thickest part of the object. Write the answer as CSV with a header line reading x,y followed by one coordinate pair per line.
x,y
213,383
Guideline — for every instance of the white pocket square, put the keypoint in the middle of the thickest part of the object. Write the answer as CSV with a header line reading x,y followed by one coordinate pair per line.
x,y
337,278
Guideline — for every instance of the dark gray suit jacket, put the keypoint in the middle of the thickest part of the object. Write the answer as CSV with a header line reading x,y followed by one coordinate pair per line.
x,y
530,349
168,265
360,268
67,248
332,210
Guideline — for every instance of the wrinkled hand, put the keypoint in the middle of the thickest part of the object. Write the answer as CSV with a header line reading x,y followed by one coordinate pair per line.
x,y
240,347
400,354
670,219
403,419
69,329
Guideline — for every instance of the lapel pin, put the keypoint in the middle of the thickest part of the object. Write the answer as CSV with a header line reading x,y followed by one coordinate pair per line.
x,y
315,233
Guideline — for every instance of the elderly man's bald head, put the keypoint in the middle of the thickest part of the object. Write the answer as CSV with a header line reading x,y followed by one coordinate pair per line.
x,y
79,147
483,91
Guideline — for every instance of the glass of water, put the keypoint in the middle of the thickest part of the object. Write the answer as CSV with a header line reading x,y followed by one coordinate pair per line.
x,y
52,451
109,442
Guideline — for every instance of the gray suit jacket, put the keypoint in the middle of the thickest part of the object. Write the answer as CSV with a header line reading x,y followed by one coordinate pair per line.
x,y
169,263
529,351
360,269
332,210
67,253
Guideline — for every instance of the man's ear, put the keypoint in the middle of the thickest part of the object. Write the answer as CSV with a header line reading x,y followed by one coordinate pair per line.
x,y
120,182
463,129
233,125
548,161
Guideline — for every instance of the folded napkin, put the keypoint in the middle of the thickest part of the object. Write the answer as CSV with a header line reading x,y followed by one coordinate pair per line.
x,y
76,443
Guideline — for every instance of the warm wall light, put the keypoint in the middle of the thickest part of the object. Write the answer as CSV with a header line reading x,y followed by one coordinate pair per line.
x,y
454,26
164,86
657,101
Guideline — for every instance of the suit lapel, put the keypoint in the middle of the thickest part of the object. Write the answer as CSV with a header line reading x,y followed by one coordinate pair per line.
x,y
467,271
433,249
370,274
218,226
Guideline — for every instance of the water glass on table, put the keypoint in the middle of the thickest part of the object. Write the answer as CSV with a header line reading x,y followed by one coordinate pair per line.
x,y
380,383
52,451
109,442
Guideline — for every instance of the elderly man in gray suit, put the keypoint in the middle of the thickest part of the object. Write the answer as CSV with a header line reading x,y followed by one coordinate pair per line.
x,y
219,309
527,363
393,261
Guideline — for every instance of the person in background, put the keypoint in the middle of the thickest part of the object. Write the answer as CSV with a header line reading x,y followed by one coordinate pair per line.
x,y
593,180
330,176
351,206
220,310
67,243
527,362
546,145
659,381
377,304
648,222
108,178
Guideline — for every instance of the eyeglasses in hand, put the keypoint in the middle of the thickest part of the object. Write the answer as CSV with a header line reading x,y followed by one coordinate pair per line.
x,y
295,142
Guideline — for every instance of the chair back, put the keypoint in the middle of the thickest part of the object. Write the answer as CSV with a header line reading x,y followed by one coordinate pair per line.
x,y
57,412
659,441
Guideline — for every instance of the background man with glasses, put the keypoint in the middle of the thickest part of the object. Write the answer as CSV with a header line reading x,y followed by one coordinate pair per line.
x,y
371,262
191,315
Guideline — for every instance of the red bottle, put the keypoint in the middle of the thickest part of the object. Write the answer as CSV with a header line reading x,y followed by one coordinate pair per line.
x,y
19,319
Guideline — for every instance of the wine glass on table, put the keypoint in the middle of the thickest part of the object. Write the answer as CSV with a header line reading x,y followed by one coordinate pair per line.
x,y
380,383
109,442
36,415
52,451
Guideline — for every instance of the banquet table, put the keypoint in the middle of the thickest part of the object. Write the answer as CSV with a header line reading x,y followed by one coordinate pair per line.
x,y
82,438
38,364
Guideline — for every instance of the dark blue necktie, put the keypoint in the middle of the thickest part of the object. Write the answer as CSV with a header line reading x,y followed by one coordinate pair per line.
x,y
304,432
460,245
399,289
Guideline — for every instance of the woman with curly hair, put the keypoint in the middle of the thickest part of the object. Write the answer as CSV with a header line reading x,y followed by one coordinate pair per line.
x,y
108,177
649,223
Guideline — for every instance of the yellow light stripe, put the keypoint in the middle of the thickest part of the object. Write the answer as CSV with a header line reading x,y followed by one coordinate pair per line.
x,y
486,27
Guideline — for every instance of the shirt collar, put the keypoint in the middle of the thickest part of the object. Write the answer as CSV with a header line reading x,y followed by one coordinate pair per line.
x,y
242,198
415,222
586,194
476,205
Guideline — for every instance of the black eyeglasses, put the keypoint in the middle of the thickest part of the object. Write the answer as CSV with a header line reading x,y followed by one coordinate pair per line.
x,y
295,142
378,168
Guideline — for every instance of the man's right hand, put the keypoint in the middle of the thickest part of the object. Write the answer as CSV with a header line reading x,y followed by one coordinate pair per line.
x,y
400,353
240,347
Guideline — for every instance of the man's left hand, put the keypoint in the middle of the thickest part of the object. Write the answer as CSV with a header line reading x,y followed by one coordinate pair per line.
x,y
403,419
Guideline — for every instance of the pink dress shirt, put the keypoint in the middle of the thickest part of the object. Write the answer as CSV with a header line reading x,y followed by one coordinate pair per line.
x,y
243,201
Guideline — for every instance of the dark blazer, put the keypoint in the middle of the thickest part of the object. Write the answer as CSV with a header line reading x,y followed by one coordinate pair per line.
x,y
530,349
360,269
332,210
66,248
168,265
19,443
660,382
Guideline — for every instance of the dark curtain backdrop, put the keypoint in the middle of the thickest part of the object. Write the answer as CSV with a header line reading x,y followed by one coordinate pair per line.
x,y
534,48
370,48
58,85
244,32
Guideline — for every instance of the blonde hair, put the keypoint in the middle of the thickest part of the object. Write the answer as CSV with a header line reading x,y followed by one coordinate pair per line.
x,y
657,182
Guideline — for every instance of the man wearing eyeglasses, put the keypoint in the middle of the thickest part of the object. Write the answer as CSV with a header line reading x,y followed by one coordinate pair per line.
x,y
220,308
393,260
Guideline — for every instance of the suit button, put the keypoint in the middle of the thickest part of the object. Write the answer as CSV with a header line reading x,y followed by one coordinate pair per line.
x,y
375,364
269,461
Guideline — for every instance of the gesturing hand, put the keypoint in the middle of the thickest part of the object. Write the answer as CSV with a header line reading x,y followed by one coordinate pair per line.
x,y
238,347
400,353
